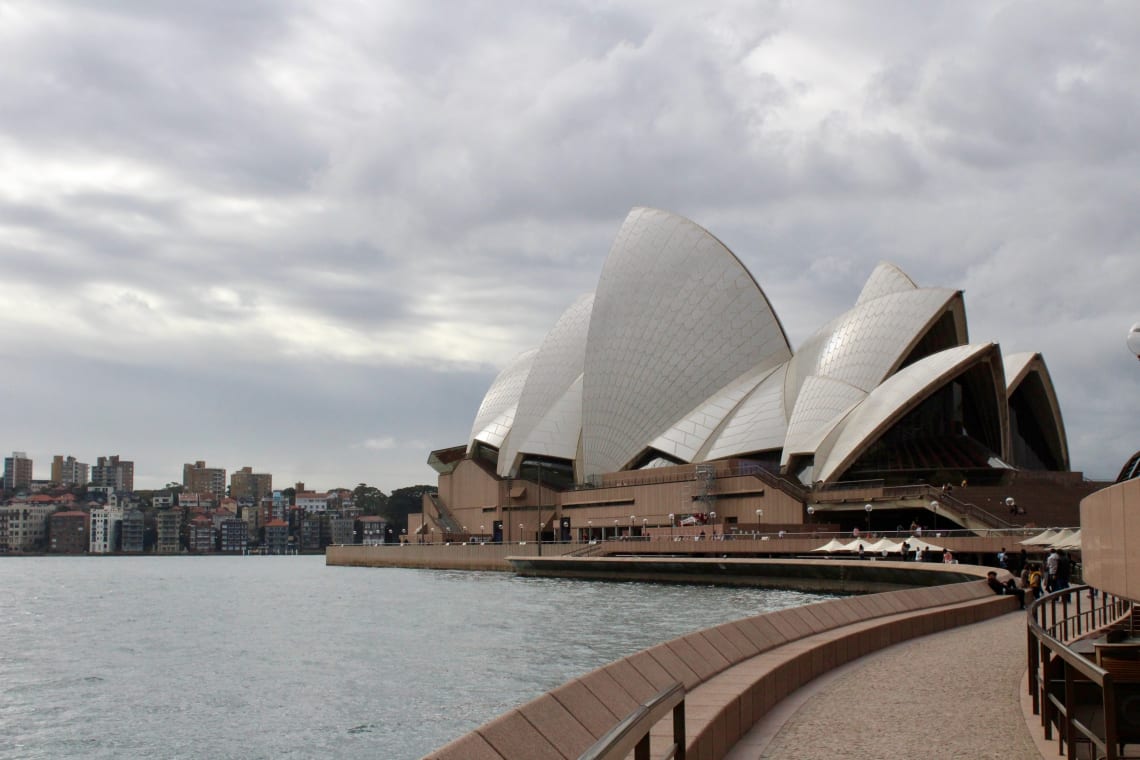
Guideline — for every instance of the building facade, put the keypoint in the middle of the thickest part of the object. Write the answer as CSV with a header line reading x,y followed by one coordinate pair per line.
x,y
106,530
276,537
168,528
24,526
198,478
247,484
68,532
17,472
133,534
69,471
114,473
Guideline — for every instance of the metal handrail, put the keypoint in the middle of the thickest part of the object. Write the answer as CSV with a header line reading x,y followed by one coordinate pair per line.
x,y
632,733
1049,632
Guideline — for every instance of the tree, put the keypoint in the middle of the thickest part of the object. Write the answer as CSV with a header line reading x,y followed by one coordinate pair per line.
x,y
404,501
370,500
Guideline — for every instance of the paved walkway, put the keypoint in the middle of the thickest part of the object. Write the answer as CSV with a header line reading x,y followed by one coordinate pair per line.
x,y
951,694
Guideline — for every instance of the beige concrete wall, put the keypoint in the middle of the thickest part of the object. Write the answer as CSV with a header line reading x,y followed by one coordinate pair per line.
x,y
1110,539
440,556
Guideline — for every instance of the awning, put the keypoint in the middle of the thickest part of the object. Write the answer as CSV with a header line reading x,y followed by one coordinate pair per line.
x,y
1041,538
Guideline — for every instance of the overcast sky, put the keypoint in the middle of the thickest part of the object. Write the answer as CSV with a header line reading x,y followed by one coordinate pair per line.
x,y
304,237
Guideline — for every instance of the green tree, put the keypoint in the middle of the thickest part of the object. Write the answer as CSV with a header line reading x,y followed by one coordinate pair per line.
x,y
370,499
405,501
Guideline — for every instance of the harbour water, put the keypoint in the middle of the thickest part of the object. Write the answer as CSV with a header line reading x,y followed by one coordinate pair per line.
x,y
283,657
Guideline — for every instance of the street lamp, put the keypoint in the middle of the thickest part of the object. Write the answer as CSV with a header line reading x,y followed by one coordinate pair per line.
x,y
520,533
811,514
615,529
645,527
1009,502
672,517
712,519
868,508
934,509
631,518
590,530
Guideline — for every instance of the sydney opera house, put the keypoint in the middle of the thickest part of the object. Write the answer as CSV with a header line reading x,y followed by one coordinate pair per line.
x,y
671,397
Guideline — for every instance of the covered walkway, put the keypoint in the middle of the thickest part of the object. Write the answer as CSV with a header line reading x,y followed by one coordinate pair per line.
x,y
952,694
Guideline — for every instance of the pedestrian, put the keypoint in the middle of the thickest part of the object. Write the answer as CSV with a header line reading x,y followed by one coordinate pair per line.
x,y
1051,565
1024,562
947,557
1006,589
1064,568
1001,560
905,550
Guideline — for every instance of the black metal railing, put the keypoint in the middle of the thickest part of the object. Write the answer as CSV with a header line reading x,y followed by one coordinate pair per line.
x,y
1070,692
632,733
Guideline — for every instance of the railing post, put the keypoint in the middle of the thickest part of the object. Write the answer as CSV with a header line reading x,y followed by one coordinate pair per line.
x,y
679,731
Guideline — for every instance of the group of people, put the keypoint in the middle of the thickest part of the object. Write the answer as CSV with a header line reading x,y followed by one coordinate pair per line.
x,y
1036,578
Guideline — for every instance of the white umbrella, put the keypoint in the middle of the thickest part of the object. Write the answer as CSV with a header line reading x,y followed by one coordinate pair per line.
x,y
834,545
926,546
884,545
1061,538
1045,537
1073,542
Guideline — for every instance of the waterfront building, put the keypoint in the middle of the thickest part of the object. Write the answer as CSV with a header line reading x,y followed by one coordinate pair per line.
x,y
247,484
192,500
106,529
68,532
233,536
312,502
276,537
201,535
342,530
373,529
69,471
311,534
198,478
114,473
168,526
133,529
17,472
672,392
251,516
162,500
23,527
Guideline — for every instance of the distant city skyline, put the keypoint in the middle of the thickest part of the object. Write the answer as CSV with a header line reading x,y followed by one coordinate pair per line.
x,y
305,238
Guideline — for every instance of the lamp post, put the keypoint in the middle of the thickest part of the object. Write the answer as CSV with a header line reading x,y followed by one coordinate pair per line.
x,y
1009,502
645,527
759,514
631,519
482,533
712,520
934,509
868,508
672,517
520,533
590,530
811,514
615,529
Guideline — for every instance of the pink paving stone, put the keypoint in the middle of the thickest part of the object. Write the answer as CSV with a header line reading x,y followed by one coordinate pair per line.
x,y
651,670
722,645
609,692
691,657
469,747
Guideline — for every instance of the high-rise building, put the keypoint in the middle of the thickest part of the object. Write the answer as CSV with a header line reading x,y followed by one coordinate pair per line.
x,y
114,473
247,484
17,471
68,532
168,525
69,471
106,525
134,531
198,478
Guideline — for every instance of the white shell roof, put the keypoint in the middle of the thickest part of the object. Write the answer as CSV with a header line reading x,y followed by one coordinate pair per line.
x,y
886,279
686,437
676,318
680,351
888,402
863,346
757,424
556,367
822,404
497,412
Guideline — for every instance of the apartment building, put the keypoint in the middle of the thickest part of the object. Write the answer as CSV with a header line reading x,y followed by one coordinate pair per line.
x,y
106,530
23,527
168,526
17,472
69,471
114,473
247,484
133,531
198,478
68,532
